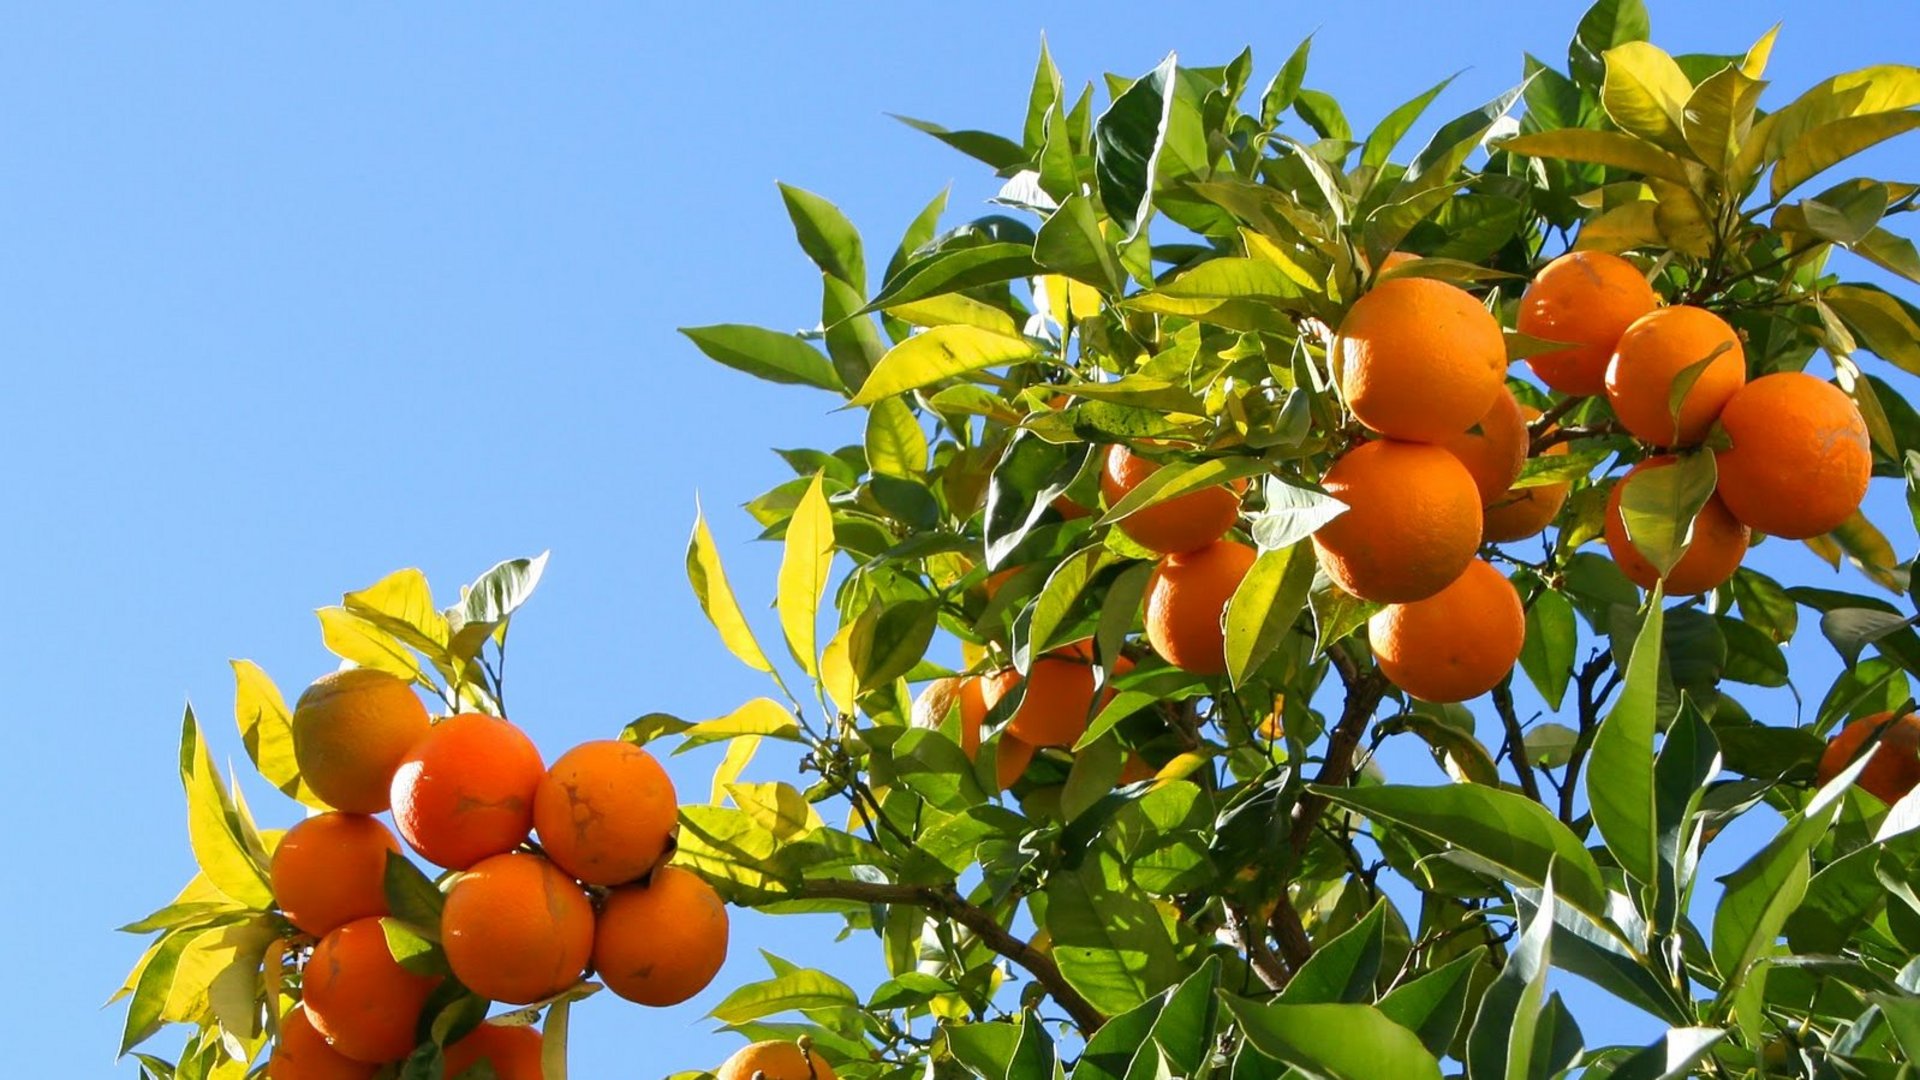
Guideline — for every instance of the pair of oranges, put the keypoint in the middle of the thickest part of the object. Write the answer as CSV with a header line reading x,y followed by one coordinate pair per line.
x,y
518,924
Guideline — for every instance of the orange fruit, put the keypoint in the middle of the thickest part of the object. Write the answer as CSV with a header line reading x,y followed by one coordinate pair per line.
x,y
1719,543
1456,644
1058,700
1411,526
1397,258
513,1051
605,812
332,869
1494,449
1586,298
1895,768
350,730
1135,769
1524,512
1653,353
937,701
775,1061
516,930
465,791
1419,359
662,942
1181,523
302,1053
1187,601
359,996
1011,759
1800,459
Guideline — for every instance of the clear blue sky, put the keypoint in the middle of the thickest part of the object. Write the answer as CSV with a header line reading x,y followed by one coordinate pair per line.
x,y
297,296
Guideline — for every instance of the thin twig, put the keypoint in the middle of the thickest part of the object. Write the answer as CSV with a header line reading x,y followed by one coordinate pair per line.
x,y
1516,740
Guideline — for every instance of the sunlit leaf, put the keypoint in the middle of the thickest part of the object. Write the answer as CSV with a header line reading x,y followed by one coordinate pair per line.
x,y
709,580
943,352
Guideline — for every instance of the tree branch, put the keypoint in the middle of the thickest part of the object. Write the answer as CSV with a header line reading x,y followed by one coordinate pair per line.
x,y
948,901
1516,740
1364,691
1554,436
1589,705
1253,939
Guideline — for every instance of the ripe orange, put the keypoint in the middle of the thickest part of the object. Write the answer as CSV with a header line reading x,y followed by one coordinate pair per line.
x,y
1396,258
302,1053
1493,450
605,812
1135,769
1181,523
1800,459
1411,526
1895,768
931,708
775,1061
662,942
359,996
516,930
1419,359
1524,512
1588,298
1059,699
513,1051
465,791
1456,644
350,729
1011,759
1187,601
332,869
1719,543
1653,353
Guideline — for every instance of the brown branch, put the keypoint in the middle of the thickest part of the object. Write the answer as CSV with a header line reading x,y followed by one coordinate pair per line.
x,y
1260,956
1516,740
1555,436
1586,682
1364,691
946,900
1547,419
1290,932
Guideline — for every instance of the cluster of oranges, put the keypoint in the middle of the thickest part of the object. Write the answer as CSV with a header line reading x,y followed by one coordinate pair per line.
x,y
520,923
1422,366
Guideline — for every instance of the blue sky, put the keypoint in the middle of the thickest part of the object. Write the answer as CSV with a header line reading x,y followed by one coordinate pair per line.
x,y
295,297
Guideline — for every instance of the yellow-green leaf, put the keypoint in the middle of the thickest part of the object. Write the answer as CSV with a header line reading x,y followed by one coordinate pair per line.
x,y
1835,141
220,971
402,604
1719,115
211,825
354,639
777,807
1645,93
896,444
1612,148
553,1041
1620,229
1884,325
837,676
1754,64
709,580
1659,506
739,755
955,309
266,728
1871,552
1877,89
940,353
761,716
803,571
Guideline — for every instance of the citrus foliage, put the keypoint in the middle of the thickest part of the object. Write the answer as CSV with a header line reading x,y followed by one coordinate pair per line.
x,y
1078,667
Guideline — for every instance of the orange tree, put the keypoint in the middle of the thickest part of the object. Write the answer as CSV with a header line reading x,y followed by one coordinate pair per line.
x,y
1230,453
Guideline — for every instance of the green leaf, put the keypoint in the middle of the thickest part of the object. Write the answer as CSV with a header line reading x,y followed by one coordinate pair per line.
x,y
896,445
1057,597
213,827
1658,507
888,640
1835,141
1611,148
1546,655
709,580
1645,93
1323,114
996,150
1606,25
266,729
1431,1005
1620,771
1507,834
766,354
1336,1042
798,989
1127,139
1344,969
853,344
413,949
807,558
1718,116
1071,243
1108,937
1883,323
1380,143
1766,889
1285,87
826,235
1293,513
954,269
1029,476
411,895
1265,607
1501,1044
940,353
1174,479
